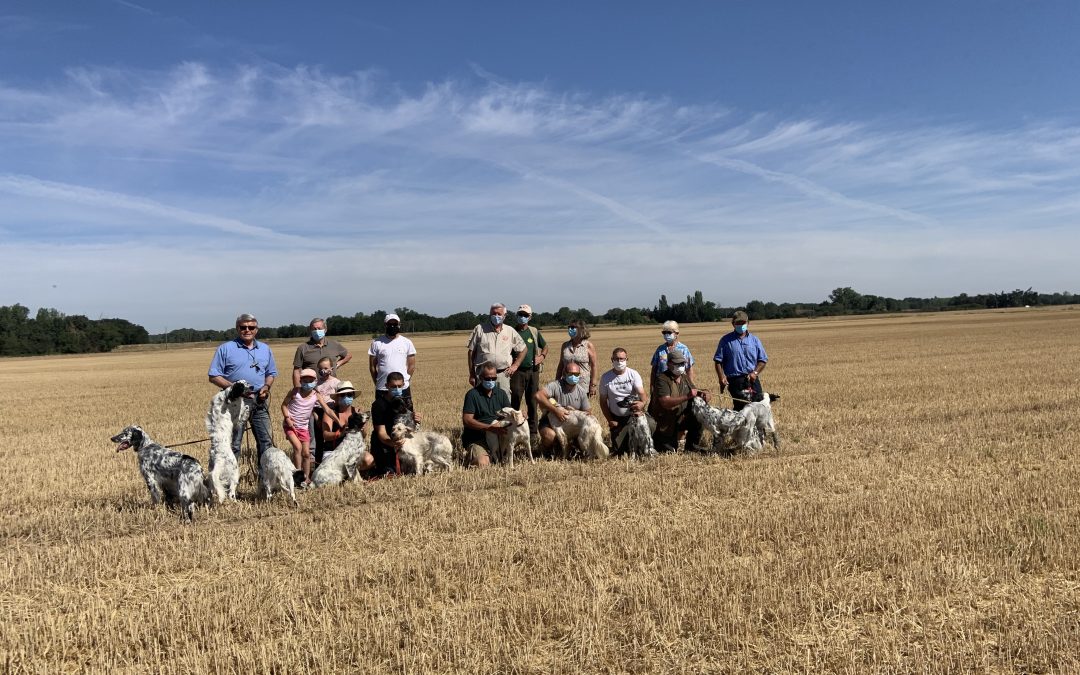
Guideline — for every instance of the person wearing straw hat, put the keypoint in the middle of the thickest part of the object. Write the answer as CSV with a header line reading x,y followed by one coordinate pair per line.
x,y
331,430
740,357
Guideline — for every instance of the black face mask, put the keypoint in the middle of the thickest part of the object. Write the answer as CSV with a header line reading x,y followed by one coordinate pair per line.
x,y
393,330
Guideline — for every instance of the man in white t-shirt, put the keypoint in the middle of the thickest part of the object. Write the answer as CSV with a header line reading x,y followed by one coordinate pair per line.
x,y
615,385
392,353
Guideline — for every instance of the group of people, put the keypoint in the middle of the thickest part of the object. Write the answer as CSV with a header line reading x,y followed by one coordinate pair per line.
x,y
505,366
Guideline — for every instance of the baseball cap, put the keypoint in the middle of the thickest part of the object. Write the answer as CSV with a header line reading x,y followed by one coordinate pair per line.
x,y
676,357
672,326
392,317
526,309
308,372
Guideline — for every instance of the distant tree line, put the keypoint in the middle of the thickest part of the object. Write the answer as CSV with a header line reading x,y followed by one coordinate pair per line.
x,y
51,332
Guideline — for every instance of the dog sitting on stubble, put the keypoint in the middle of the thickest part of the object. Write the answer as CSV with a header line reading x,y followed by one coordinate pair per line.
x,y
422,450
639,442
582,429
516,436
276,474
171,477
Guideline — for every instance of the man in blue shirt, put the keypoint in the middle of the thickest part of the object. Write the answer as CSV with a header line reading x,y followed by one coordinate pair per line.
x,y
247,359
739,360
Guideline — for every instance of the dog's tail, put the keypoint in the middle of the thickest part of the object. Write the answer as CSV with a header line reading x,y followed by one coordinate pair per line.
x,y
203,490
773,397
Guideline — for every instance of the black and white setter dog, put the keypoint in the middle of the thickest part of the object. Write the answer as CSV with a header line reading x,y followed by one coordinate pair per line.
x,y
170,476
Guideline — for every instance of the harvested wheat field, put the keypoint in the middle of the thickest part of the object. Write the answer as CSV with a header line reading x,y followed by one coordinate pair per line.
x,y
922,517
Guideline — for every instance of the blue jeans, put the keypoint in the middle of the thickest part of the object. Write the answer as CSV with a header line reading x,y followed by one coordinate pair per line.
x,y
260,426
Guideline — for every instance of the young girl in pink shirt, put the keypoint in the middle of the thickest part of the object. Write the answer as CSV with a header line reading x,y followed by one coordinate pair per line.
x,y
296,412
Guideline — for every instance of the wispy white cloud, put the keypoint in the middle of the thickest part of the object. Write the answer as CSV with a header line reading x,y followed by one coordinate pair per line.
x,y
295,158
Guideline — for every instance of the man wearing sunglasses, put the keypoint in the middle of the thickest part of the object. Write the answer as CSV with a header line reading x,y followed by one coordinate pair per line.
x,y
247,359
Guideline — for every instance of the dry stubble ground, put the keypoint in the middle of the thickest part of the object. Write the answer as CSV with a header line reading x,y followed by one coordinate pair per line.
x,y
922,517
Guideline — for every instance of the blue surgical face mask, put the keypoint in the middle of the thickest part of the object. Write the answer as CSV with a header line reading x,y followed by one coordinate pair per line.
x,y
523,320
496,319
307,386
669,337
489,384
742,327
572,379
346,400
396,392
318,334
572,332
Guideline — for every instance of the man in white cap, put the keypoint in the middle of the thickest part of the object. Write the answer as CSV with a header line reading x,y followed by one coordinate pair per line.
x,y
525,382
494,343
392,352
670,331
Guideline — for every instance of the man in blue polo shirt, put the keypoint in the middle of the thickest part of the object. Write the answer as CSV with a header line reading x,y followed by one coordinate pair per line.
x,y
247,359
739,360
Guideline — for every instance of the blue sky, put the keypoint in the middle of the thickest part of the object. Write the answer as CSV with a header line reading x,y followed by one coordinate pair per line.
x,y
178,163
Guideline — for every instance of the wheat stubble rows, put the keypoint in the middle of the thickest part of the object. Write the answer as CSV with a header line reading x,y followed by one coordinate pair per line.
x,y
922,517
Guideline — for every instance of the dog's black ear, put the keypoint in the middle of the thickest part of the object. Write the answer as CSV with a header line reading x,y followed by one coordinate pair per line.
x,y
237,390
136,438
773,397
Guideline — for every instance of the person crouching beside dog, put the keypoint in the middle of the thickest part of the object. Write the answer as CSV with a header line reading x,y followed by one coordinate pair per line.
x,y
740,357
615,385
556,398
296,411
670,406
389,406
333,428
481,407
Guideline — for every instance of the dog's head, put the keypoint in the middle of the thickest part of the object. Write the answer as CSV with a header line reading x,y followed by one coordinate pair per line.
x,y
357,420
400,431
130,437
698,404
630,400
239,389
773,397
511,416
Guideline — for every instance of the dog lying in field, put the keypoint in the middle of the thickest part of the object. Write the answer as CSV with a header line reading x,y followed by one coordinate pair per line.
x,y
228,409
170,476
423,450
276,474
582,429
639,442
341,463
516,436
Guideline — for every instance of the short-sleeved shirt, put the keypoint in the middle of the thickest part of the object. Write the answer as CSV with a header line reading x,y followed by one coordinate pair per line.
x,y
484,409
739,355
575,399
310,353
617,386
659,359
530,346
382,415
391,356
328,387
580,356
667,420
235,362
488,344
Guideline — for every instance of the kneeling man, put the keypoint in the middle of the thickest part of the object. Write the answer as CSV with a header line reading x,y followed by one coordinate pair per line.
x,y
481,407
670,406
556,398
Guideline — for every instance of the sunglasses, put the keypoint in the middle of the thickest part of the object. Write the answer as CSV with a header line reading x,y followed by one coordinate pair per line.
x,y
491,379
247,328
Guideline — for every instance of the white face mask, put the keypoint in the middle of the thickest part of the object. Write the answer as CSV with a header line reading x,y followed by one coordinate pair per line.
x,y
619,365
678,370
